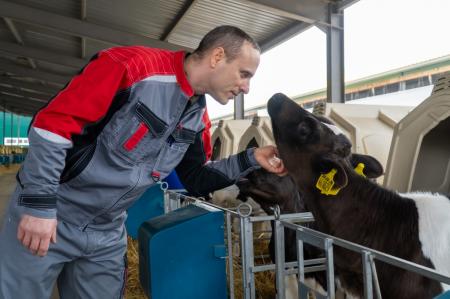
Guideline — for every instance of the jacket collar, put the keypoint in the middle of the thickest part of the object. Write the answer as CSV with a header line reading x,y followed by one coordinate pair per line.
x,y
181,75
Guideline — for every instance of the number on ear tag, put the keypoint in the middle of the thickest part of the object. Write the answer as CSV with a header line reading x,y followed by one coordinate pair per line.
x,y
325,183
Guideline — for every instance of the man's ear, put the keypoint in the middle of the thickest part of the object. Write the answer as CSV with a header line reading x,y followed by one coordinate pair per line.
x,y
217,55
325,164
372,167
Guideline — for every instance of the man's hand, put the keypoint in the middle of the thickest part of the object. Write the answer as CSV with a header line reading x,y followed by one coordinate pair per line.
x,y
267,157
36,233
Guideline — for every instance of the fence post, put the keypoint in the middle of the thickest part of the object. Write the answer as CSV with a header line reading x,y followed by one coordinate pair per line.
x,y
230,255
247,258
279,259
328,246
375,277
302,293
367,273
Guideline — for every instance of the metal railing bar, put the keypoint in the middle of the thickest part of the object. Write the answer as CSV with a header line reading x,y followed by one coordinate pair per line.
x,y
292,265
389,259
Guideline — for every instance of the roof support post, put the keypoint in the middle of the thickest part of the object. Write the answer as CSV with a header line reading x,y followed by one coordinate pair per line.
x,y
239,106
335,55
4,123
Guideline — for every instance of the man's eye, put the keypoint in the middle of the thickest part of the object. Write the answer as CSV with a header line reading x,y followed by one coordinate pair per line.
x,y
245,75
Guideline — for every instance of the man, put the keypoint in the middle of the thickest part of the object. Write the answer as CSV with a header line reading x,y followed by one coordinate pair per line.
x,y
124,123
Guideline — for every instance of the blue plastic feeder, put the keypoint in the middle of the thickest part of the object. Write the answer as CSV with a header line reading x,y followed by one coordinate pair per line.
x,y
149,205
182,254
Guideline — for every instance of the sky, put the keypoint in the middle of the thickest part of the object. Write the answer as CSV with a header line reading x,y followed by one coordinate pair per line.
x,y
380,35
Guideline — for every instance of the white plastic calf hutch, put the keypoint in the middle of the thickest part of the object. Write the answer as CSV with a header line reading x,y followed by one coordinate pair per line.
x,y
420,153
370,128
226,137
258,134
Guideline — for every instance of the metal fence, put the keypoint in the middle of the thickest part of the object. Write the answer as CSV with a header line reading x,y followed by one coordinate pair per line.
x,y
327,242
175,199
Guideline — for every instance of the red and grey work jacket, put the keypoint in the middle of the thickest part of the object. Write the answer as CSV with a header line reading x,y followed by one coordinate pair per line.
x,y
125,122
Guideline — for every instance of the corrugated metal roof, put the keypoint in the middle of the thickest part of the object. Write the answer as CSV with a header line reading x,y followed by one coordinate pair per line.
x,y
144,17
43,42
5,34
208,14
68,8
49,40
93,46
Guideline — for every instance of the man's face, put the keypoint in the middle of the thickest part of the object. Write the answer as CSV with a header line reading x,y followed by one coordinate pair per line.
x,y
229,78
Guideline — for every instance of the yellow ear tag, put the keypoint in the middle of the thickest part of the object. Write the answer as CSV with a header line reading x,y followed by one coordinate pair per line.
x,y
325,183
359,169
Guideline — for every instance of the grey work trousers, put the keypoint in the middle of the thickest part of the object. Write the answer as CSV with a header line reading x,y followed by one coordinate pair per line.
x,y
85,264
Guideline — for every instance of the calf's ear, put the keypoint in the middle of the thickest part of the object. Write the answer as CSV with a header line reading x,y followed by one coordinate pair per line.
x,y
326,165
372,167
242,197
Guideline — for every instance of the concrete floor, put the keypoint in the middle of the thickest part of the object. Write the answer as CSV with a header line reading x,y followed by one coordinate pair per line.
x,y
7,185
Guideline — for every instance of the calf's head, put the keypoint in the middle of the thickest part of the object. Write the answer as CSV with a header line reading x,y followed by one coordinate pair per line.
x,y
269,189
311,146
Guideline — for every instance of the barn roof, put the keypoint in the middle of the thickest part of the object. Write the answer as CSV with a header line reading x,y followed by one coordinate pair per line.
x,y
43,43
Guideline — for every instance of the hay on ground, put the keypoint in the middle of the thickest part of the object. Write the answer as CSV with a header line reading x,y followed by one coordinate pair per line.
x,y
134,289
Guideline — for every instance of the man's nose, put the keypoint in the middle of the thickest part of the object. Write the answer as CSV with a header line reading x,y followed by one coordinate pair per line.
x,y
245,87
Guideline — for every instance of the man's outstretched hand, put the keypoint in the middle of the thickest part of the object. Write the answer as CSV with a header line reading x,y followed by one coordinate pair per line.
x,y
37,233
267,157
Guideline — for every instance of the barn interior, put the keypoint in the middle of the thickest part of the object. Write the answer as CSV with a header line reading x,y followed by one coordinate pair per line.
x,y
43,44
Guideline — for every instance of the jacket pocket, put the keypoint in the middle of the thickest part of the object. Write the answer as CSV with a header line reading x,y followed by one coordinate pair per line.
x,y
174,150
156,126
137,134
77,162
180,139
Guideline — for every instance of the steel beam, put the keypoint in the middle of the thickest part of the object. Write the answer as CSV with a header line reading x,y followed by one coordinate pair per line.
x,y
335,56
21,93
43,55
50,90
187,6
78,27
18,104
239,106
24,101
282,35
343,4
287,9
10,67
83,18
15,32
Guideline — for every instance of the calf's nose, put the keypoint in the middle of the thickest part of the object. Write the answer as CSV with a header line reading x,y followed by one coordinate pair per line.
x,y
274,104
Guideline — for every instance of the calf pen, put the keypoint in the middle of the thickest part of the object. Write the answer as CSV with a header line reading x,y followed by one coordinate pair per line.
x,y
173,200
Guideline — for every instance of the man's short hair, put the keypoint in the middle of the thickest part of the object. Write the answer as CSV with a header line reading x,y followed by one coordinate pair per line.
x,y
230,38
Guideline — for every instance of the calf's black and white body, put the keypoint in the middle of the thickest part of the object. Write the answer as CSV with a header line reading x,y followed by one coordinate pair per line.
x,y
413,226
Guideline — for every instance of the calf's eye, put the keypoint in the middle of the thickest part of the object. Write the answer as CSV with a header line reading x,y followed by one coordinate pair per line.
x,y
303,130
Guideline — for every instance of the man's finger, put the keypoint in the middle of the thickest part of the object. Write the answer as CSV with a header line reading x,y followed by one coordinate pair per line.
x,y
43,247
26,240
53,238
34,244
20,234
